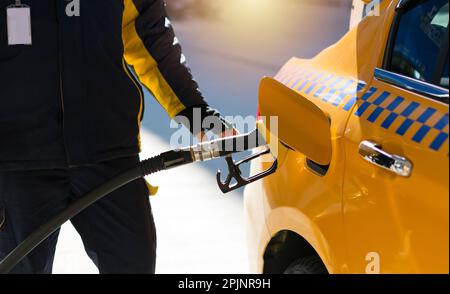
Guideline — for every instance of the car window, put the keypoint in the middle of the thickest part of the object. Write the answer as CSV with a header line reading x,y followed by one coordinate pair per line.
x,y
421,34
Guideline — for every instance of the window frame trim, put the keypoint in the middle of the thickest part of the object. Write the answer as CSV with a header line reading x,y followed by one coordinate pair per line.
x,y
420,87
388,51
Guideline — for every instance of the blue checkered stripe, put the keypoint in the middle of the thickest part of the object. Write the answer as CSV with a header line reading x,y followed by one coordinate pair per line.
x,y
343,93
335,90
409,108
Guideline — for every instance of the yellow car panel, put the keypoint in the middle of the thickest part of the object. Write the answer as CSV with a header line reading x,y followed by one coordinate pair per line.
x,y
403,220
357,210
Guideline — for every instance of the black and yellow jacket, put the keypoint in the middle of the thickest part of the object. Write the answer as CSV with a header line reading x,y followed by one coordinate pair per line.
x,y
69,99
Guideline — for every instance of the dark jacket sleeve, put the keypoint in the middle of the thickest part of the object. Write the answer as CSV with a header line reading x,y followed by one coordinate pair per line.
x,y
151,48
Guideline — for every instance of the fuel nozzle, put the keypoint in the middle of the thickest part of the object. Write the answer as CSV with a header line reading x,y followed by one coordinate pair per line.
x,y
226,147
205,151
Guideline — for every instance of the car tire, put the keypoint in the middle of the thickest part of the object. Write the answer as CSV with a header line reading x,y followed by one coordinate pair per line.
x,y
310,265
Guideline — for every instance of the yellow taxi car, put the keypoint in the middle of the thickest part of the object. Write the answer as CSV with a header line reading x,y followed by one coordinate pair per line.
x,y
363,151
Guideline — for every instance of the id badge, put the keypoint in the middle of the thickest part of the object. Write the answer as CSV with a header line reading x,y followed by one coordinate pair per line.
x,y
19,24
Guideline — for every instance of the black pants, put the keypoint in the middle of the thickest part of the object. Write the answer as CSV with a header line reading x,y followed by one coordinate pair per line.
x,y
118,231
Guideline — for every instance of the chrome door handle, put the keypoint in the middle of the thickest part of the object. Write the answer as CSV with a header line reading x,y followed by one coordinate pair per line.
x,y
374,154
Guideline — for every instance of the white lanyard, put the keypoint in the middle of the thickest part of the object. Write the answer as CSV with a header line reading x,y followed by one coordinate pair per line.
x,y
19,24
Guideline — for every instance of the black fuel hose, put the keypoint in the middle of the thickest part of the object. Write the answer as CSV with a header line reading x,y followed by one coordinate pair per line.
x,y
171,159
150,166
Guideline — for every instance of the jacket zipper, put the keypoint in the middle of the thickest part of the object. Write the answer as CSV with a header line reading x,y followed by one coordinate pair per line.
x,y
136,84
61,84
141,100
62,114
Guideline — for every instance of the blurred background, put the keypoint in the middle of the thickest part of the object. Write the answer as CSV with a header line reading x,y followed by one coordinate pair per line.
x,y
230,45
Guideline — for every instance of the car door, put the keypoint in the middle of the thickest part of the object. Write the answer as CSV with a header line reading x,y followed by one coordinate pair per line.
x,y
396,202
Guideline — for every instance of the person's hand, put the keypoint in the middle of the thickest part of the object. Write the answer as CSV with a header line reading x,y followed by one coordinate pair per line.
x,y
202,137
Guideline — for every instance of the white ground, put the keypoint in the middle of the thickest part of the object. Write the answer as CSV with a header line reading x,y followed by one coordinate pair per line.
x,y
200,230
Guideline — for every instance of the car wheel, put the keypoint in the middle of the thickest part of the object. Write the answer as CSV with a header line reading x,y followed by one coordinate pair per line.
x,y
310,265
